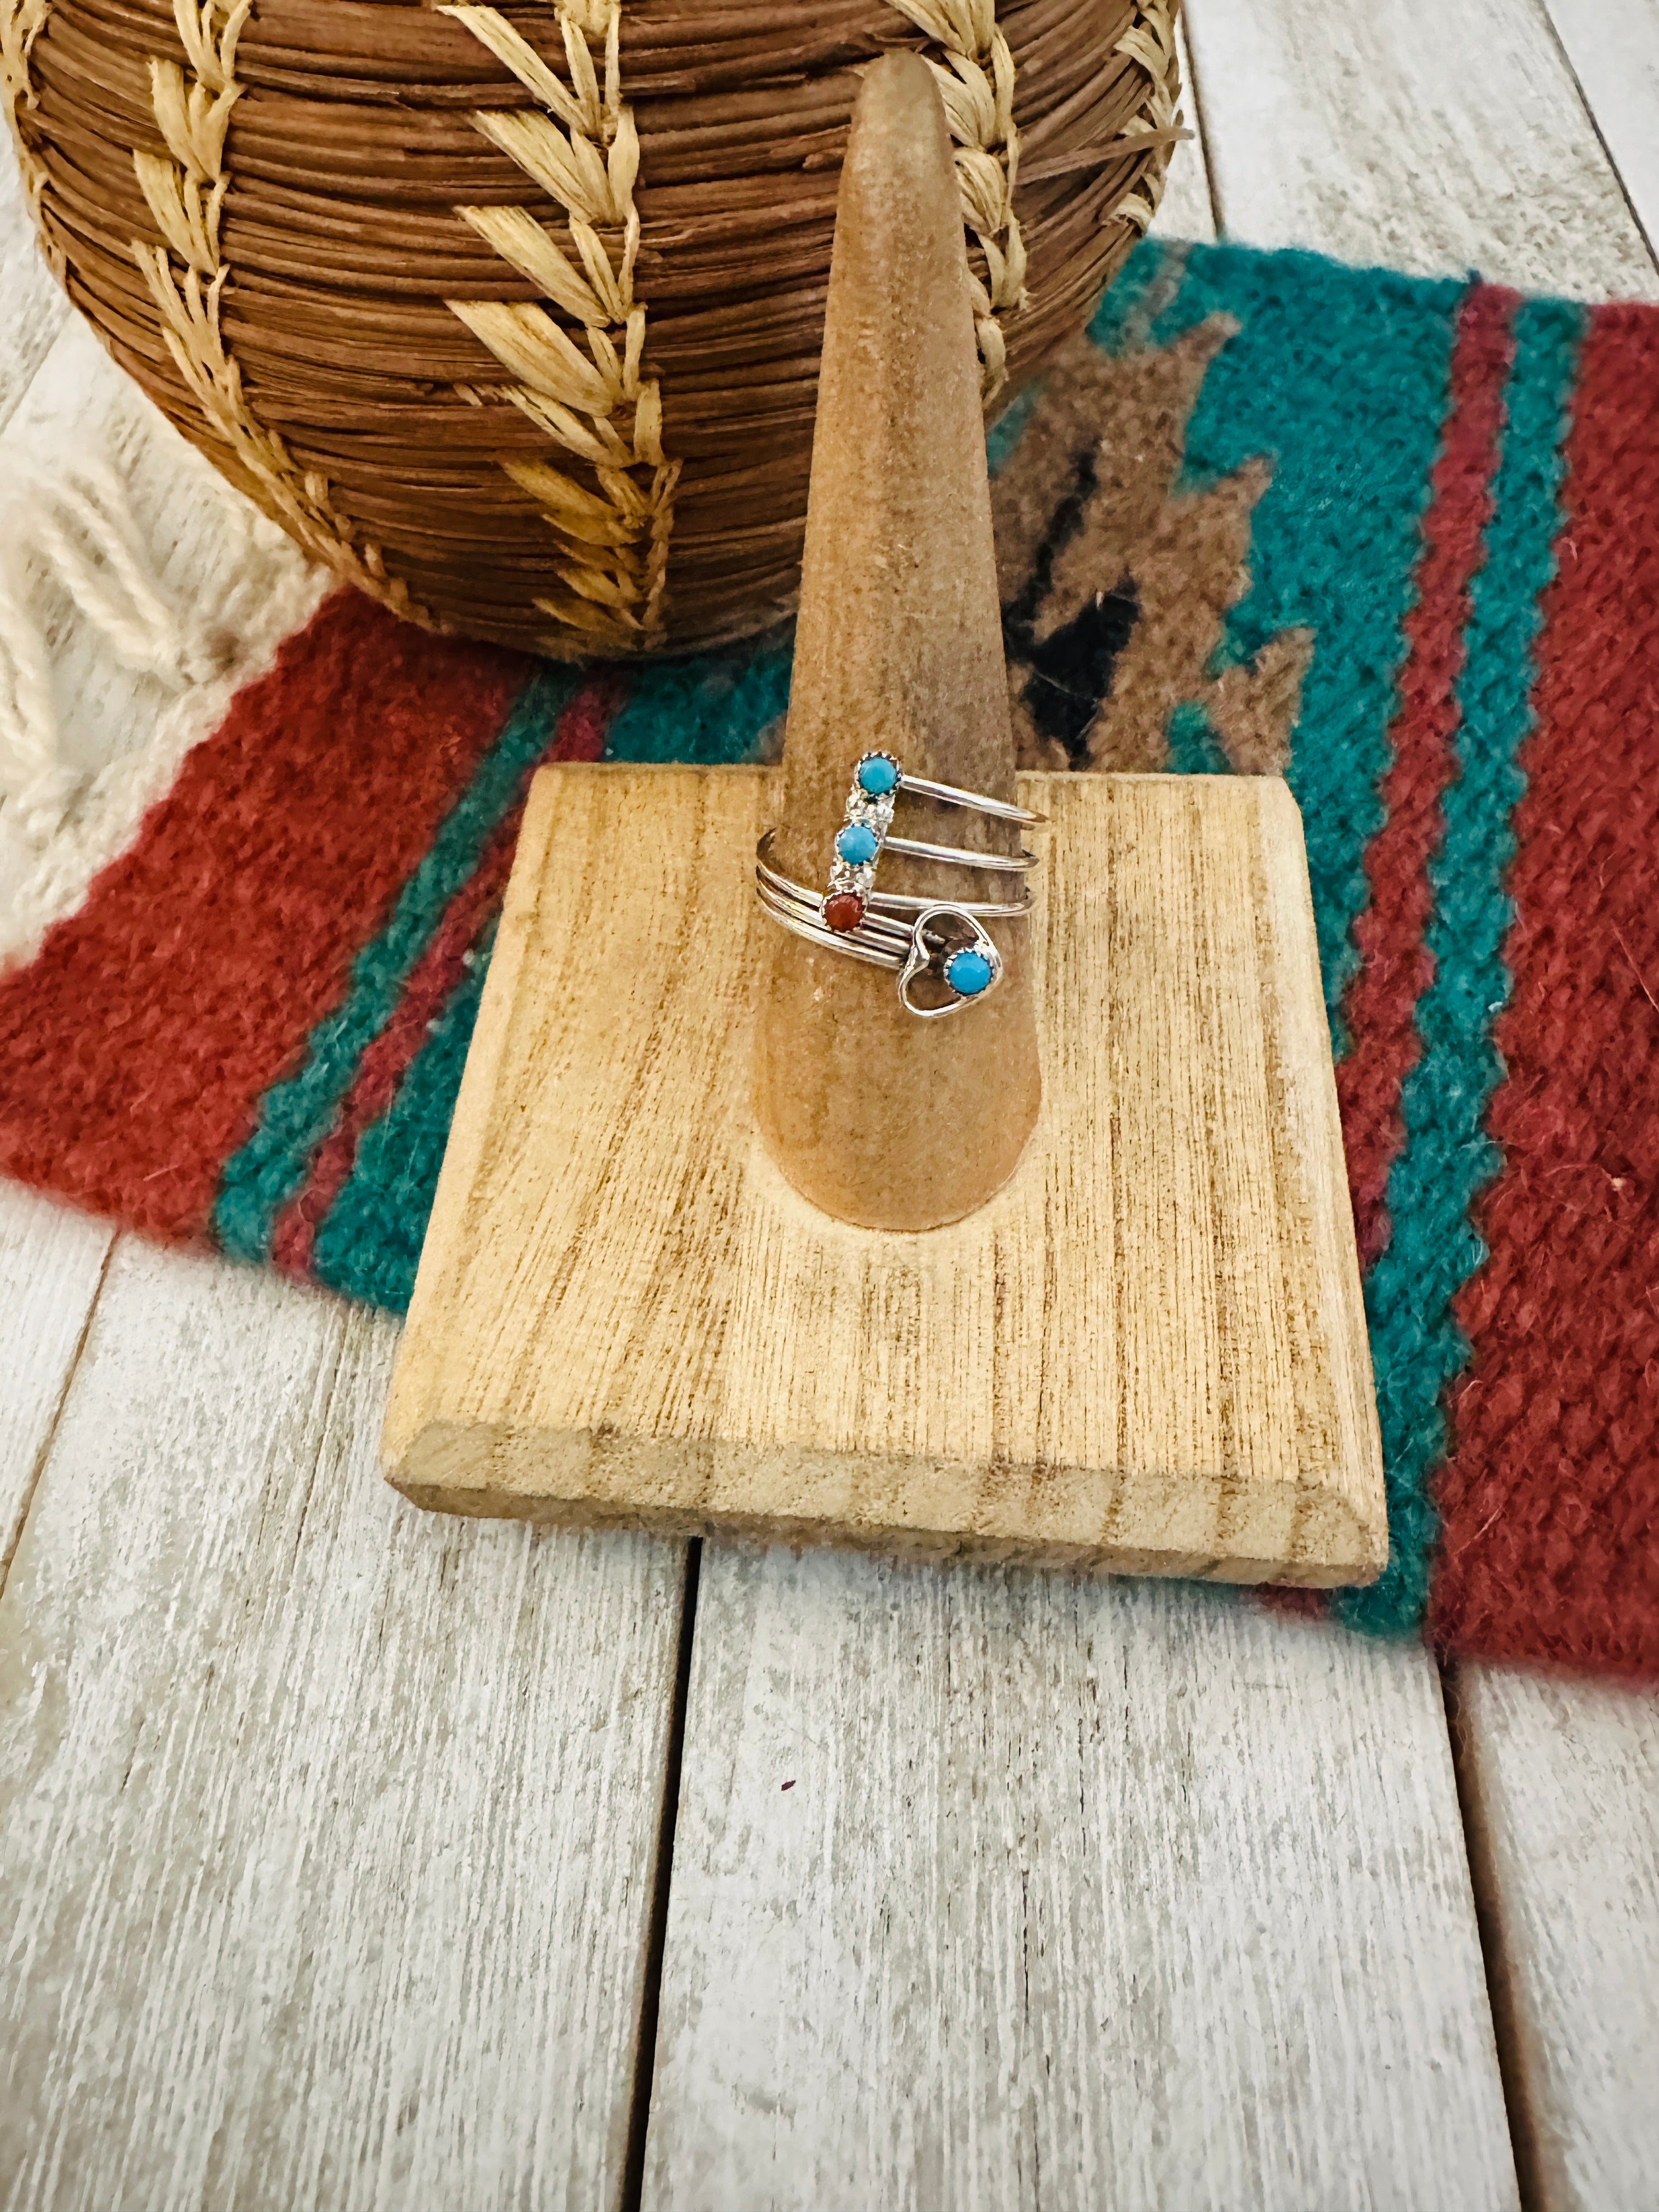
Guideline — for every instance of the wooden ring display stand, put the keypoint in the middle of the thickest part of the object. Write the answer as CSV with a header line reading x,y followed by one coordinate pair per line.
x,y
1138,1342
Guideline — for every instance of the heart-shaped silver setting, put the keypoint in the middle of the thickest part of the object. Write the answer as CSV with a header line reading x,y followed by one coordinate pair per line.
x,y
939,936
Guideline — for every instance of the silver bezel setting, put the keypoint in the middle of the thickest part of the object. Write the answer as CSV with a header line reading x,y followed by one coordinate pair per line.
x,y
923,960
910,936
869,812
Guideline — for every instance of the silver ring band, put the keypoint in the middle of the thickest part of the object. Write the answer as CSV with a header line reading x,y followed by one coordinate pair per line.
x,y
885,902
952,794
954,856
943,941
925,948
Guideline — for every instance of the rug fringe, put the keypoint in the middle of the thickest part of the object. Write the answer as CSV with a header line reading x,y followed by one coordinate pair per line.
x,y
123,640
79,533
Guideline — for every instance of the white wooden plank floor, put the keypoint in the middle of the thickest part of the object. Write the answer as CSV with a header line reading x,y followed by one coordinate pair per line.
x,y
1612,46
1433,138
1016,1889
331,1839
34,307
51,1266
1562,1788
334,1831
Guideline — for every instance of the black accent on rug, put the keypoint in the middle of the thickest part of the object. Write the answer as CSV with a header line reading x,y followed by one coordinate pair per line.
x,y
1072,668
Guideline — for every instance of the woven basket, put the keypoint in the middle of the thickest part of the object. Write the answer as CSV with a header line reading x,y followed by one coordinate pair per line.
x,y
511,315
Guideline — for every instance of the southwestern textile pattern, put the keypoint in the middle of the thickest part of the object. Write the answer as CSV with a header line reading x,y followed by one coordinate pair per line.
x,y
1396,540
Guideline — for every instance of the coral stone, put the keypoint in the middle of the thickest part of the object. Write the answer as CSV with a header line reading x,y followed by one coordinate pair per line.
x,y
968,974
877,775
857,845
844,911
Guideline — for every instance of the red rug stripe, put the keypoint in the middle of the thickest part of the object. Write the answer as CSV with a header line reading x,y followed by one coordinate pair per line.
x,y
1550,1496
1395,965
231,944
580,737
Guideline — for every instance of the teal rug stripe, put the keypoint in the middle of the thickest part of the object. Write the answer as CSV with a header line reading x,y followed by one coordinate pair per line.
x,y
1194,747
1416,1348
296,1114
1005,433
370,1244
717,710
1339,379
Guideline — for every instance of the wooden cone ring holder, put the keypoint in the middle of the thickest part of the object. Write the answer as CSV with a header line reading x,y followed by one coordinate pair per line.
x,y
725,1240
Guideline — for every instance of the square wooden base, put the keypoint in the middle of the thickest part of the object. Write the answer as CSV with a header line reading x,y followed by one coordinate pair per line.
x,y
1148,1353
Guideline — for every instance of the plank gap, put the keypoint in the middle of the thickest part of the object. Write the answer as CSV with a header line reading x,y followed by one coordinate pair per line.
x,y
1200,124
1353,132
336,1875
1495,1952
14,1537
645,2058
1602,138
1066,1869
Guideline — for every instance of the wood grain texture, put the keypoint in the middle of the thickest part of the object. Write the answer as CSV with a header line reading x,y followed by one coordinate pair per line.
x,y
1561,1778
328,1828
1430,138
32,308
1078,1895
1148,1350
51,1263
898,647
1613,49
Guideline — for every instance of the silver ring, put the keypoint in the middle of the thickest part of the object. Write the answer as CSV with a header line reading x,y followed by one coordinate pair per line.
x,y
941,940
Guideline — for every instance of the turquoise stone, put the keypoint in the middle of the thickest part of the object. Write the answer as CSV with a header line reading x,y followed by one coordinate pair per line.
x,y
877,775
968,974
857,844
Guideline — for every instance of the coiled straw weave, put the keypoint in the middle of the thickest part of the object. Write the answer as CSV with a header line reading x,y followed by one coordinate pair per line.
x,y
512,314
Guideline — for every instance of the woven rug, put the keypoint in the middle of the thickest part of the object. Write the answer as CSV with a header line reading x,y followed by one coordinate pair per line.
x,y
1396,540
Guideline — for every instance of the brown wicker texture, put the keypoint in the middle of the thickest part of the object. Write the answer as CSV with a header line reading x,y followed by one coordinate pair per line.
x,y
512,314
